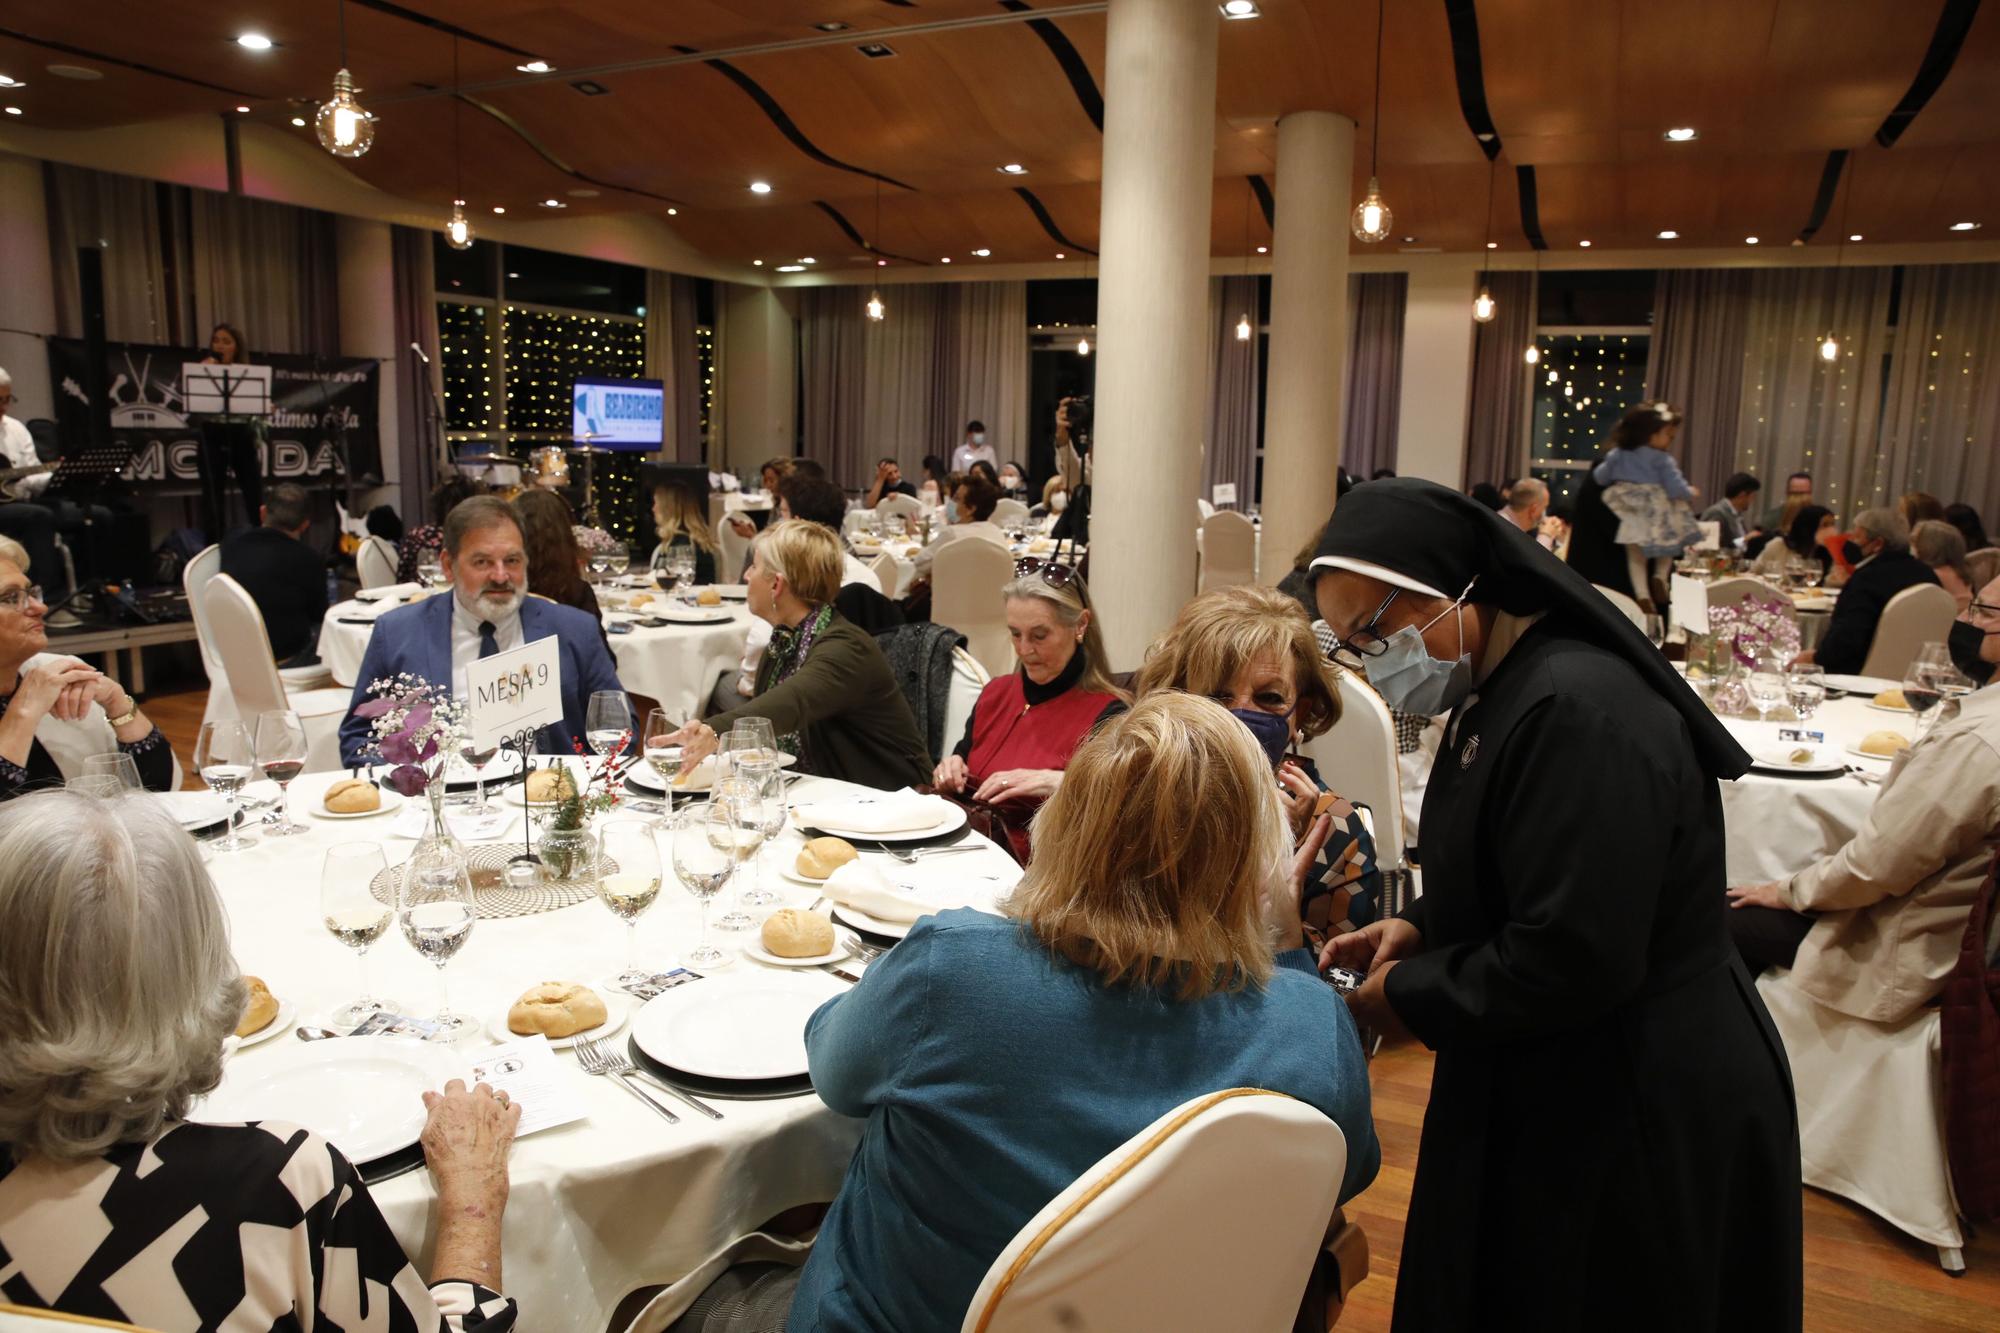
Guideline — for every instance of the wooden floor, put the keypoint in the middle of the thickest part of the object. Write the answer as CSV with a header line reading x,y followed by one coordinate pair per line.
x,y
1862,1276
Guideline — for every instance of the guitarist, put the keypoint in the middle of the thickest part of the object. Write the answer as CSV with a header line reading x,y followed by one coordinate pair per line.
x,y
24,519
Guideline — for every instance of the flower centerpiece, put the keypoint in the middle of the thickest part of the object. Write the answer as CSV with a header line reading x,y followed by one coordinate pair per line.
x,y
415,726
562,838
1756,627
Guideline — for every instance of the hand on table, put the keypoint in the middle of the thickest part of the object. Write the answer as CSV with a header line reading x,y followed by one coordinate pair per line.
x,y
1301,796
951,776
1373,946
1758,895
466,1141
1019,784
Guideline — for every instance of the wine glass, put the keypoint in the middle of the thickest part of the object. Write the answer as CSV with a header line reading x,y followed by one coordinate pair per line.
x,y
430,571
1923,683
1766,686
434,907
703,861
225,758
1805,690
664,756
1656,629
477,757
355,916
281,754
736,824
682,564
607,723
775,812
629,890
617,560
121,774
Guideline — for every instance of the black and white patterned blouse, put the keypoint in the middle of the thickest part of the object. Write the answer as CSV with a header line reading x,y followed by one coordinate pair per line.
x,y
259,1226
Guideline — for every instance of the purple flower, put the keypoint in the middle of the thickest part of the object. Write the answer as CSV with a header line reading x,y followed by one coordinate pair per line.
x,y
408,779
375,707
398,749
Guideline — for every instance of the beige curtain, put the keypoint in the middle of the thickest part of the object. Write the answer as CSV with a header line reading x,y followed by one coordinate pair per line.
x,y
989,379
1233,426
1495,450
121,216
1695,361
1375,304
832,374
1941,418
269,269
906,399
672,359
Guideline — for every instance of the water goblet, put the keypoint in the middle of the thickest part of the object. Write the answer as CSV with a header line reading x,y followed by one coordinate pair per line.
x,y
736,825
1805,690
1766,686
225,756
355,916
704,859
435,909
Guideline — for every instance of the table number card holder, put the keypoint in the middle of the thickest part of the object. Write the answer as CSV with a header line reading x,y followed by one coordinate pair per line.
x,y
512,696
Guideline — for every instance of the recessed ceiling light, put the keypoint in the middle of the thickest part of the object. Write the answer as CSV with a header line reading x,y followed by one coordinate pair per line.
x,y
242,110
9,81
834,25
757,263
1584,244
1956,226
760,187
1014,169
1749,240
1493,245
808,260
1670,236
512,276
876,50
1682,134
499,208
536,67
673,212
254,41
554,203
1409,240
299,121
1263,249
1855,237
589,87
1240,9
982,253
791,268
881,263
13,111
1061,255
945,260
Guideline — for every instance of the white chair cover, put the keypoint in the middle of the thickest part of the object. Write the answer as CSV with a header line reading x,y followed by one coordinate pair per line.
x,y
254,682
1730,592
1871,1112
375,562
1116,1250
1010,511
968,678
966,578
1625,604
735,555
1914,617
1202,508
1228,550
194,581
898,503
1357,758
888,575
854,521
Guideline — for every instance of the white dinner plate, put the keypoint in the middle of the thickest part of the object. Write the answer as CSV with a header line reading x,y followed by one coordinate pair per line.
x,y
874,925
196,809
843,945
791,872
364,1094
949,824
1860,684
1904,711
732,592
701,779
690,615
747,1025
615,1014
1860,753
1778,760
280,1022
391,800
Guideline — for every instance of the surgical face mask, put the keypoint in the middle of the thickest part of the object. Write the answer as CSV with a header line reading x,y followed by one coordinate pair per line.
x,y
979,437
1851,550
1273,731
1966,642
951,511
1410,680
1011,480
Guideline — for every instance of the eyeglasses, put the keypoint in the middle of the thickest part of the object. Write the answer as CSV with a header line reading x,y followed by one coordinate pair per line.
x,y
18,599
1367,641
1054,572
1978,608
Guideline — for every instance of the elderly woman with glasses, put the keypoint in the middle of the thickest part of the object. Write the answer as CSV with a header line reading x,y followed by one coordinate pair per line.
x,y
55,710
1026,724
120,1002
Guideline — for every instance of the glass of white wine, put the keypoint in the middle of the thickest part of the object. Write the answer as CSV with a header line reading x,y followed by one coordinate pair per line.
x,y
355,916
704,859
736,825
665,758
434,907
225,756
607,723
430,571
631,846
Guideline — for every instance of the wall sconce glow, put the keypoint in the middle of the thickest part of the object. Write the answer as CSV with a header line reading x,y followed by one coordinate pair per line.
x,y
345,129
760,187
876,310
1083,347
1243,329
458,232
536,67
1829,350
1670,236
1263,249
1533,355
1682,134
1372,218
1483,307
254,41
1965,226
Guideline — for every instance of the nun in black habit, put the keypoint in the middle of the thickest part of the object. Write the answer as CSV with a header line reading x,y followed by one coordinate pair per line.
x,y
1611,1140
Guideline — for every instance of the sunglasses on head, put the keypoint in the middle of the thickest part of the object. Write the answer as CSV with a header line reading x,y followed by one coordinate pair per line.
x,y
1054,572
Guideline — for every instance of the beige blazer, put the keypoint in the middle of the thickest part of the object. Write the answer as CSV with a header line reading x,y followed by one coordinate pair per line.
x,y
1893,902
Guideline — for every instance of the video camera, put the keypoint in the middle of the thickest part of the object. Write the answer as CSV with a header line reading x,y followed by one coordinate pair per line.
x,y
1080,411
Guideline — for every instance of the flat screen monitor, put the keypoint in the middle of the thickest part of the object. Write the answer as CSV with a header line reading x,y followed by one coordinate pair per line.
x,y
621,414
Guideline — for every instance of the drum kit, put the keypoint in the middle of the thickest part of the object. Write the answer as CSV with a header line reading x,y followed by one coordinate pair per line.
x,y
545,468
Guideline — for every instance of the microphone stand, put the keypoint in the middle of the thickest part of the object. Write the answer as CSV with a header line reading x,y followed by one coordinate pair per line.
x,y
440,447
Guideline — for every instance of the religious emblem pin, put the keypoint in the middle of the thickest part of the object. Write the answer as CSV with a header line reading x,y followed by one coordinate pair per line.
x,y
1469,753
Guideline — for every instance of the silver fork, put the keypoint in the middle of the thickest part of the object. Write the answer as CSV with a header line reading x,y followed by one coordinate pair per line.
x,y
617,1062
592,1061
909,855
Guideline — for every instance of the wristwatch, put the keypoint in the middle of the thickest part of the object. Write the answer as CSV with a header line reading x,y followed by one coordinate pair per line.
x,y
131,711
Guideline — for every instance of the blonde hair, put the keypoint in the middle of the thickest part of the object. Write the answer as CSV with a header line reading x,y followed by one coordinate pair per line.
x,y
675,510
1070,600
1220,633
1051,486
14,553
120,984
1156,855
805,555
781,465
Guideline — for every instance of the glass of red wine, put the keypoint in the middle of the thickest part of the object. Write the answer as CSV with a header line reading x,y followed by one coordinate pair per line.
x,y
281,756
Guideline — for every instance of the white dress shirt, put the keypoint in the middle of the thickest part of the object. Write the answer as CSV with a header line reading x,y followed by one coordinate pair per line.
x,y
963,457
465,633
19,447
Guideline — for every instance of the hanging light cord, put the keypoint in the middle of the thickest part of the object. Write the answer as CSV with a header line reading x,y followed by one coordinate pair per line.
x,y
1375,123
457,156
1491,164
343,34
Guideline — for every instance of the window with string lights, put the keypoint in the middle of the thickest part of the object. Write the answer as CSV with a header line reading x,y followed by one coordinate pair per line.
x,y
1592,338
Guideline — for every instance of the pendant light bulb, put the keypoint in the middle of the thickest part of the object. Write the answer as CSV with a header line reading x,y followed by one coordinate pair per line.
x,y
458,232
1083,347
1829,350
344,128
1483,307
1372,218
876,310
1243,329
1533,355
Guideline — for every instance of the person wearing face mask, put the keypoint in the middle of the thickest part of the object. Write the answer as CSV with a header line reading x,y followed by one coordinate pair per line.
x,y
1014,482
1252,650
1611,1117
974,449
487,611
1879,550
1055,499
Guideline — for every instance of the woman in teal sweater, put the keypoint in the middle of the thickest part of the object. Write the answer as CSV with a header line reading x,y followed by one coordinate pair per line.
x,y
1152,954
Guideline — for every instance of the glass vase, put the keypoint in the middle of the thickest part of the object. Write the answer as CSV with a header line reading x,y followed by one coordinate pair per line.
x,y
566,852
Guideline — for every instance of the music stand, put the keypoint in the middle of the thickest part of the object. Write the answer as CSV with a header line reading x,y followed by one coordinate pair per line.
x,y
231,394
81,479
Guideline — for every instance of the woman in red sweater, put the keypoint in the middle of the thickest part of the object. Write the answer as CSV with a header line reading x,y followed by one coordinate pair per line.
x,y
1026,724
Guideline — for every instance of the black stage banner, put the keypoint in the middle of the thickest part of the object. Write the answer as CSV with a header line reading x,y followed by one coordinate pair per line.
x,y
312,399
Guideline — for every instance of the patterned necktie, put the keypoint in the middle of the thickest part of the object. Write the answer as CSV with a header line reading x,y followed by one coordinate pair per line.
x,y
488,643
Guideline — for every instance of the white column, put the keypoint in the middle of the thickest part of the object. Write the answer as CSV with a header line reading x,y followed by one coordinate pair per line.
x,y
1437,372
1305,394
367,292
759,347
27,291
1152,307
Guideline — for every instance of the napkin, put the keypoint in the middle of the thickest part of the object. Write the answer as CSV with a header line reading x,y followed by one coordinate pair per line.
x,y
892,812
860,885
394,592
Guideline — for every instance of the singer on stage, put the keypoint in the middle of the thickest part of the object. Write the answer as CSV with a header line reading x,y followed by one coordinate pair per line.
x,y
229,443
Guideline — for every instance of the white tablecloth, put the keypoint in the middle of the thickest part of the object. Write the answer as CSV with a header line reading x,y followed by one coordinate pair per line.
x,y
620,1199
677,665
1778,825
904,556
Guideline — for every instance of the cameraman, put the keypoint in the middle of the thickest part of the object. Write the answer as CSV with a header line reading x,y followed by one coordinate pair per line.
x,y
1074,421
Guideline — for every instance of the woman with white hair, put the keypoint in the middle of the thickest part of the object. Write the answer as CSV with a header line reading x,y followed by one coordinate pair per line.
x,y
56,710
120,997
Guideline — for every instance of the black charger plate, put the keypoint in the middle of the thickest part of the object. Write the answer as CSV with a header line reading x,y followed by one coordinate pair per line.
x,y
731,1089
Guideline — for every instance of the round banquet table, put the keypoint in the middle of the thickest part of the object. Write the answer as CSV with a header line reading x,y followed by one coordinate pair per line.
x,y
677,665
1778,824
620,1199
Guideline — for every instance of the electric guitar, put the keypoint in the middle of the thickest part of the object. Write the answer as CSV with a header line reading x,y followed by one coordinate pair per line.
x,y
8,476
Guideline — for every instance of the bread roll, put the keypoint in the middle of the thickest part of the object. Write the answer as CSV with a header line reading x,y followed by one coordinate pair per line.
x,y
550,784
1891,699
259,1011
1887,744
708,597
556,1009
349,797
822,856
792,933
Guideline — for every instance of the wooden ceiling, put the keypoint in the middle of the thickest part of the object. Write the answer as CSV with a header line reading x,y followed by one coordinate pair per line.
x,y
1578,90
